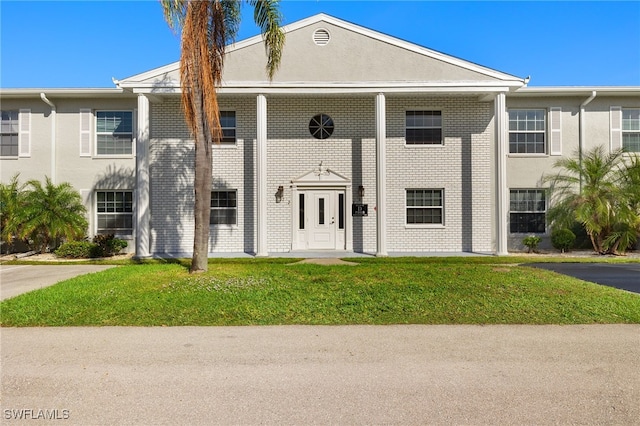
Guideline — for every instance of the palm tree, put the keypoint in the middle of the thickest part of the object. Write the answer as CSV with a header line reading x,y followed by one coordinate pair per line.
x,y
11,201
208,26
51,213
592,191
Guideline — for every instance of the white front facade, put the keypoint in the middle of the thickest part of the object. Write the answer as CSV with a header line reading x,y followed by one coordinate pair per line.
x,y
423,142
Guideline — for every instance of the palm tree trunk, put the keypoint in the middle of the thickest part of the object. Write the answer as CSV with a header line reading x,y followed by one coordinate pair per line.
x,y
202,185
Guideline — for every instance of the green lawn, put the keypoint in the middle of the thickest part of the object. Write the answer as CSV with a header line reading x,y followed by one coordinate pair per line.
x,y
483,290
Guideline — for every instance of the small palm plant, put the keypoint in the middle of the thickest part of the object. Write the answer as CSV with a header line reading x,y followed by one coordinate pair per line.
x,y
51,213
597,190
11,201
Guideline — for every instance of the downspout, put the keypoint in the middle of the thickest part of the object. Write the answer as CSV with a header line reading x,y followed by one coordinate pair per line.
x,y
581,131
53,135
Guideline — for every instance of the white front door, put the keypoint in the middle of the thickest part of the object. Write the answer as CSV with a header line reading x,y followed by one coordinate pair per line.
x,y
321,219
322,229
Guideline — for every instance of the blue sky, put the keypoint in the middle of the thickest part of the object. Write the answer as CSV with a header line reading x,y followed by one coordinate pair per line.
x,y
51,44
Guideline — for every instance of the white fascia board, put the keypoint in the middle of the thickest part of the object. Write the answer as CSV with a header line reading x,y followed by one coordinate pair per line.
x,y
575,91
131,81
329,88
66,93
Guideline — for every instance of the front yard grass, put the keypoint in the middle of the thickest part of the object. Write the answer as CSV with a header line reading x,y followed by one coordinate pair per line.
x,y
273,291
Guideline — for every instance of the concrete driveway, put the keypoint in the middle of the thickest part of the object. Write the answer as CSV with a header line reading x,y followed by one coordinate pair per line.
x,y
305,375
18,279
625,276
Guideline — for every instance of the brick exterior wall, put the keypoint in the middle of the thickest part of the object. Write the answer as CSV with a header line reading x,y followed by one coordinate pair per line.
x,y
462,167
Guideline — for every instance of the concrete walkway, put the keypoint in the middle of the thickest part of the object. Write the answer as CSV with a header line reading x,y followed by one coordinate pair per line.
x,y
476,375
18,279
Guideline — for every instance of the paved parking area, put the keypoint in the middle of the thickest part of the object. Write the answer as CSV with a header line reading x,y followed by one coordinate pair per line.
x,y
18,279
625,276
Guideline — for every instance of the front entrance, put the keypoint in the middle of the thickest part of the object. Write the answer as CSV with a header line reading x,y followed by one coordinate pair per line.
x,y
321,219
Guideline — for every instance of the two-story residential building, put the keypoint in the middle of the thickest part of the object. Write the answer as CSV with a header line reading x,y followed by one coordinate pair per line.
x,y
362,142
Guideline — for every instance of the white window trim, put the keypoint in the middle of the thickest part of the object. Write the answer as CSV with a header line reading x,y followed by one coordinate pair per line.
x,y
132,213
622,131
424,145
19,134
228,145
425,225
94,133
546,212
225,225
546,133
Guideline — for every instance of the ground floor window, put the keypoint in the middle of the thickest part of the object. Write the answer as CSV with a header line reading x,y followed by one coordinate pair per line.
x,y
425,207
224,207
114,212
527,211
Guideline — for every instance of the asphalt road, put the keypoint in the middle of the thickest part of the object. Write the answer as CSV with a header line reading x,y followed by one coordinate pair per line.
x,y
625,276
323,375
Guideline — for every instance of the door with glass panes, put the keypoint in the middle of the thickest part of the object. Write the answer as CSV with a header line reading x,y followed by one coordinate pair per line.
x,y
322,219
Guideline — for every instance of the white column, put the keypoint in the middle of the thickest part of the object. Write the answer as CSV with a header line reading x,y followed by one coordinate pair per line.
x,y
502,192
261,176
381,175
143,228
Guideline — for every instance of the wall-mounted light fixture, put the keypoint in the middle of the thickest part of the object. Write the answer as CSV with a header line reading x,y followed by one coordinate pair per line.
x,y
361,191
279,194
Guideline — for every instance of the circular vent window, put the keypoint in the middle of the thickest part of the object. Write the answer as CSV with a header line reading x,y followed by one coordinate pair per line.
x,y
321,37
321,126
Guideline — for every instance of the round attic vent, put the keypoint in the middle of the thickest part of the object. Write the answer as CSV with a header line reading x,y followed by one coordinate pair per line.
x,y
321,37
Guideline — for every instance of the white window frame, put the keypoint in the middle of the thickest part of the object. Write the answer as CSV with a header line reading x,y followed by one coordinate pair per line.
x,y
543,132
16,125
529,211
98,134
127,232
440,207
427,127
228,144
630,131
226,208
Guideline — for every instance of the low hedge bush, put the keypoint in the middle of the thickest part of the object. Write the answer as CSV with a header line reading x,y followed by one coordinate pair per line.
x,y
101,246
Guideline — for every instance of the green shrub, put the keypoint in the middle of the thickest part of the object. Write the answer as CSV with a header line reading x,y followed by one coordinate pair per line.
x,y
102,246
531,242
109,245
77,250
563,239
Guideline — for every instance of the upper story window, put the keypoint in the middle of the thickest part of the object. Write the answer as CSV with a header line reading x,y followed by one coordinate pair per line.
x,y
527,211
527,131
114,212
224,208
425,207
10,131
228,124
631,130
114,132
423,128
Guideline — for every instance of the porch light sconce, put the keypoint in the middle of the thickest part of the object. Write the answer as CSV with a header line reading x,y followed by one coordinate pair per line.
x,y
361,191
279,194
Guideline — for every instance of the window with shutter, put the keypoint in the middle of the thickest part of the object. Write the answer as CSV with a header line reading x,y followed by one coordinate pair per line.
x,y
555,135
24,139
85,132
